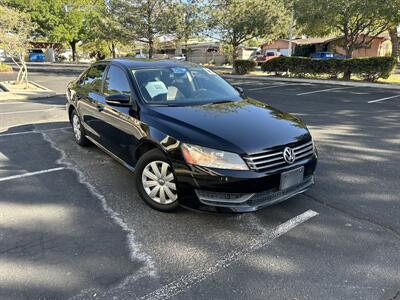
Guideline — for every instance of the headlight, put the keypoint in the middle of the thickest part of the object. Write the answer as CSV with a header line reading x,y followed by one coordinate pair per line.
x,y
314,147
206,157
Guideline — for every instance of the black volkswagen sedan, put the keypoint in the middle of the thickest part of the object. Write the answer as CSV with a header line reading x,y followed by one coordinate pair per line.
x,y
190,137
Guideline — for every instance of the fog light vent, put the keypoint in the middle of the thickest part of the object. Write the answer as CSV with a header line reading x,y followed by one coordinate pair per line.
x,y
219,197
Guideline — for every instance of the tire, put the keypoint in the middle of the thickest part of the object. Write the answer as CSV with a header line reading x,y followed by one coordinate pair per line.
x,y
160,192
79,131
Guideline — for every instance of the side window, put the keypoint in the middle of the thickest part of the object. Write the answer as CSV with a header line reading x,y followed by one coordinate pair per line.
x,y
116,82
93,77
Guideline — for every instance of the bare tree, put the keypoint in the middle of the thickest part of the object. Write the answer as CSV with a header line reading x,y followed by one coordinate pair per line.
x,y
15,29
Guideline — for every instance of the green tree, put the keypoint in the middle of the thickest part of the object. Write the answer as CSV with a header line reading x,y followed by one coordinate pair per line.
x,y
190,20
391,12
145,20
358,21
15,30
102,27
235,22
58,20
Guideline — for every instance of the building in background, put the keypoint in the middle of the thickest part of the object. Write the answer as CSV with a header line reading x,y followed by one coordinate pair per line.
x,y
379,46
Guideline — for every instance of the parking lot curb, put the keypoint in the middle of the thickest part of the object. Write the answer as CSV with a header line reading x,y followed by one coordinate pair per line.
x,y
11,97
8,96
319,81
73,69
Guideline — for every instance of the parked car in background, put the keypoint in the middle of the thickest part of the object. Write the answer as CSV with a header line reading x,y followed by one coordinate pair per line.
x,y
326,55
190,137
36,55
264,57
4,57
160,56
141,55
181,57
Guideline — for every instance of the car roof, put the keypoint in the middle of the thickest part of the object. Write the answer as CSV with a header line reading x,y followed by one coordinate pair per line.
x,y
146,63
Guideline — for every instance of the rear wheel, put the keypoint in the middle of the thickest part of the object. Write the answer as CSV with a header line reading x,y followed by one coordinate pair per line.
x,y
79,131
155,181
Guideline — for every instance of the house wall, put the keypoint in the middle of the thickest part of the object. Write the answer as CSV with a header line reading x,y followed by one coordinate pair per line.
x,y
281,46
244,53
202,56
378,47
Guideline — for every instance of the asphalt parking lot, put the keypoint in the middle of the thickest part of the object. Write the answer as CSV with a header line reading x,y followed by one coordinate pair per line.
x,y
73,226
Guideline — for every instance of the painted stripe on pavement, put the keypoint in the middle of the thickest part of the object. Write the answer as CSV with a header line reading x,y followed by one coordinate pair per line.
x,y
26,111
33,131
383,99
31,174
185,282
325,90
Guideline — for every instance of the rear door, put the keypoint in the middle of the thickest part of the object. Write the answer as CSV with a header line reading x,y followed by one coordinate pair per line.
x,y
89,98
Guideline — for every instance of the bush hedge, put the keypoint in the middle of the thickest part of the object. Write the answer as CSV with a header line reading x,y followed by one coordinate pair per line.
x,y
242,66
370,69
5,68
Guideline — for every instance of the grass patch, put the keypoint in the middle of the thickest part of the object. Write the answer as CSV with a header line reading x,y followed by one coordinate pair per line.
x,y
393,78
5,68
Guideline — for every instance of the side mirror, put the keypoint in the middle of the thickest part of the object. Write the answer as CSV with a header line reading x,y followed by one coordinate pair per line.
x,y
118,99
240,90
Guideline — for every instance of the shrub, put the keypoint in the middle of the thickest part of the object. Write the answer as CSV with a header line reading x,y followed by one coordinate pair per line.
x,y
370,69
5,68
276,65
242,66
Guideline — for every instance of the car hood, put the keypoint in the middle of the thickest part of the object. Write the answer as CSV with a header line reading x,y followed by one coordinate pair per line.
x,y
245,126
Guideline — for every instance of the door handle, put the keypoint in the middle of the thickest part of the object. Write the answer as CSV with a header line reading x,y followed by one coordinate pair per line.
x,y
100,107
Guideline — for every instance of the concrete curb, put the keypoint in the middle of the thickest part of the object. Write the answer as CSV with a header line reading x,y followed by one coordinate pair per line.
x,y
9,96
12,97
55,68
319,81
4,88
40,86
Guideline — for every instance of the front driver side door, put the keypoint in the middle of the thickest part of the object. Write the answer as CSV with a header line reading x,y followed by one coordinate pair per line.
x,y
121,129
87,94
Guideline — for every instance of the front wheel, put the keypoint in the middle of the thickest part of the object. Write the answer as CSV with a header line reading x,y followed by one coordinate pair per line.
x,y
155,181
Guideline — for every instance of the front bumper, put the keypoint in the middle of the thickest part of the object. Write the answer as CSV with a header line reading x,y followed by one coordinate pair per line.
x,y
236,191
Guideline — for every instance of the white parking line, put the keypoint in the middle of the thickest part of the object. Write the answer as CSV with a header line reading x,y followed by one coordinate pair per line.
x,y
31,174
187,281
383,99
271,86
325,90
26,111
33,131
9,102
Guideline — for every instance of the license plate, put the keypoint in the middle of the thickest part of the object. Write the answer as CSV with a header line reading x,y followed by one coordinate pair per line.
x,y
291,178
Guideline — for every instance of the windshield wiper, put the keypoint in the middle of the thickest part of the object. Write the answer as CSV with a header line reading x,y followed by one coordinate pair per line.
x,y
221,101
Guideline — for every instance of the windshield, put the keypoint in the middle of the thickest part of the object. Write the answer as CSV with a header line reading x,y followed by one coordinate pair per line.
x,y
183,86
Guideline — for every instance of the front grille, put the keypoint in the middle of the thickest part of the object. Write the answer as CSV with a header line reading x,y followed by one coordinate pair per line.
x,y
270,160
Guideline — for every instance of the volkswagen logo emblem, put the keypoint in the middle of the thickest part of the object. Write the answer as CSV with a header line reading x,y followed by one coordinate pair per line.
x,y
288,155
